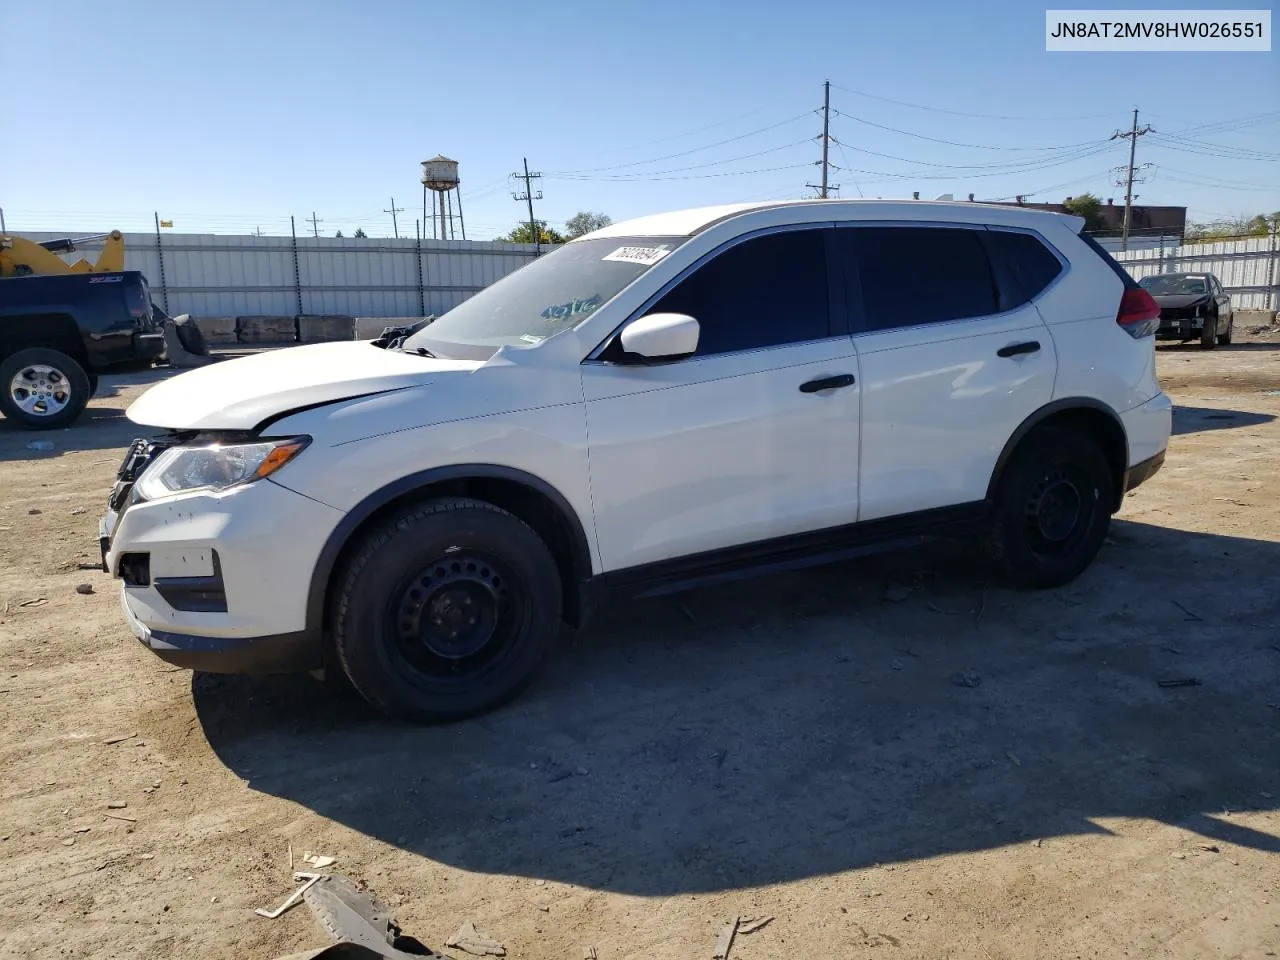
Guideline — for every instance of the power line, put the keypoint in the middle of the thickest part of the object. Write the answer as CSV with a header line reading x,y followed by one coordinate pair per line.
x,y
685,153
648,174
957,143
960,113
702,176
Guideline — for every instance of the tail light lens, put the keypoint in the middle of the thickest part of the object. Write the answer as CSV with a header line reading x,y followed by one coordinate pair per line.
x,y
1139,314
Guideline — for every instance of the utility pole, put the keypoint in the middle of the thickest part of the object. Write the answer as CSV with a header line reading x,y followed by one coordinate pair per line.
x,y
393,211
2,229
1132,136
824,188
529,195
315,224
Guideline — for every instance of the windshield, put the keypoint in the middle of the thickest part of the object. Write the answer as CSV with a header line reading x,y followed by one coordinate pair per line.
x,y
548,296
1172,286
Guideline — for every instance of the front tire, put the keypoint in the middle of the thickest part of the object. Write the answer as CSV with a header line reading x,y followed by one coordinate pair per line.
x,y
1225,338
1209,334
42,389
1052,509
446,610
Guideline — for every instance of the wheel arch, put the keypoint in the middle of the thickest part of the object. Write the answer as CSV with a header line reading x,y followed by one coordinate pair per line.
x,y
528,497
1089,416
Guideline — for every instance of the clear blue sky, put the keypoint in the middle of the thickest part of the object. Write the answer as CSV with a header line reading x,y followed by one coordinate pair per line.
x,y
233,115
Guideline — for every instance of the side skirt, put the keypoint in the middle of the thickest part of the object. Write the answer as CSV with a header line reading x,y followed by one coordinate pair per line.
x,y
788,553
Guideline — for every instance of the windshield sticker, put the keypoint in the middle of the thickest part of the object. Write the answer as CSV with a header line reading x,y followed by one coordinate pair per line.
x,y
574,308
530,338
644,255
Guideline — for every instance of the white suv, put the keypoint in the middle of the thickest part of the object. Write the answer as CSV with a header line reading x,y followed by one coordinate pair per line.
x,y
670,401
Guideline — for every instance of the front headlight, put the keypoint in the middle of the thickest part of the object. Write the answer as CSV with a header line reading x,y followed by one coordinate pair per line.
x,y
215,467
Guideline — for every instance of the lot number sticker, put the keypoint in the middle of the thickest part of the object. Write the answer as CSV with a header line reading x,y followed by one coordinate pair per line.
x,y
645,255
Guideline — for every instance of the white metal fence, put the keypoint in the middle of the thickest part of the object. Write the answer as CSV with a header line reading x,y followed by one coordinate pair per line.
x,y
1248,269
212,276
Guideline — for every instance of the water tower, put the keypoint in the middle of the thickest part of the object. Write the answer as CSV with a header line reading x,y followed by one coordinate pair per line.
x,y
440,176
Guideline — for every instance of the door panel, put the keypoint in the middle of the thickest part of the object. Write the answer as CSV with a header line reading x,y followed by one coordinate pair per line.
x,y
952,360
721,450
938,405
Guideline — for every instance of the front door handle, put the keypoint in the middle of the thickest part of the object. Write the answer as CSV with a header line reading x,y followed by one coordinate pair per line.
x,y
1014,349
828,383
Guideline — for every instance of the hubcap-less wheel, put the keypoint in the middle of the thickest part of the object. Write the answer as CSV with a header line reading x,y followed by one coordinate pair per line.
x,y
456,616
1057,511
40,390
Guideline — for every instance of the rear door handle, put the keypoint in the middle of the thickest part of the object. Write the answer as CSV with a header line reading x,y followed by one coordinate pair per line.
x,y
828,383
1014,349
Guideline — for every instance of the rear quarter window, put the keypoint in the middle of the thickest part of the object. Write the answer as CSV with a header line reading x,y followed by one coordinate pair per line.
x,y
1029,264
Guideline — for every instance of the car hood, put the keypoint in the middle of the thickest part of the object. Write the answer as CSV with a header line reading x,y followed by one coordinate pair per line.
x,y
1177,300
240,394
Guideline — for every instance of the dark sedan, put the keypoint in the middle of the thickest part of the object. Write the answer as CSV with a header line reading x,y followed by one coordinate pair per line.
x,y
1192,305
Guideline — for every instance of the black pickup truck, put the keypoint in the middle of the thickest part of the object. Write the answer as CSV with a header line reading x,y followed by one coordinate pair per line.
x,y
58,332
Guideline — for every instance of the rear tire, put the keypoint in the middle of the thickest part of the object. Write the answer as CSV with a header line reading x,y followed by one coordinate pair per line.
x,y
1052,509
1209,334
446,610
1225,338
42,389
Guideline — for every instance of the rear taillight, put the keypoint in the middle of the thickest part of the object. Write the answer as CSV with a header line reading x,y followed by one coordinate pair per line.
x,y
1139,314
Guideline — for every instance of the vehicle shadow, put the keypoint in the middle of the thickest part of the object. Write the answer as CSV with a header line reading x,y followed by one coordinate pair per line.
x,y
1199,419
806,724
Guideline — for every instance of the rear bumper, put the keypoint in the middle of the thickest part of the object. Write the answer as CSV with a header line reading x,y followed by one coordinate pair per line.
x,y
148,346
1140,473
282,653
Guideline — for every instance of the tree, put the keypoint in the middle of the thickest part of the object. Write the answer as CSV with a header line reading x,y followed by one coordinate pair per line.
x,y
522,234
360,234
1242,226
1089,207
338,235
584,222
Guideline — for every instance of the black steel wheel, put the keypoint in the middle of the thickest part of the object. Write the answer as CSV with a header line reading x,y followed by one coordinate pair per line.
x,y
446,610
1052,510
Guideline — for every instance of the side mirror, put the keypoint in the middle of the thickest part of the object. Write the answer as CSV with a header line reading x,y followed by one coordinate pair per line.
x,y
660,336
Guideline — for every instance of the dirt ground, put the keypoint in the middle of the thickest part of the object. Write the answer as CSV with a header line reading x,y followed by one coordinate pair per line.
x,y
892,759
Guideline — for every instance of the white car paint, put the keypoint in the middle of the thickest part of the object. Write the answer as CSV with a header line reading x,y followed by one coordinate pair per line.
x,y
655,462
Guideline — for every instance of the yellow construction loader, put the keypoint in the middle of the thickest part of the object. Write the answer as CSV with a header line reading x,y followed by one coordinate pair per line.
x,y
20,257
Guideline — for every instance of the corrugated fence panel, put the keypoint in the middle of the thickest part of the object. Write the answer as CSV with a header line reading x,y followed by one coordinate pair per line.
x,y
1246,268
211,275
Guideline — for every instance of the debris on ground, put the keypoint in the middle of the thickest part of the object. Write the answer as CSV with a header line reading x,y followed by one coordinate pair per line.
x,y
42,445
318,860
117,805
86,565
896,592
121,739
307,879
748,925
34,602
1178,682
1191,617
472,941
589,953
116,816
1208,847
724,942
33,512
84,589
966,679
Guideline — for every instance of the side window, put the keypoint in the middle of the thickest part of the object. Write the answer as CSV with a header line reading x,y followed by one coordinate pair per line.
x,y
1030,264
916,275
763,292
